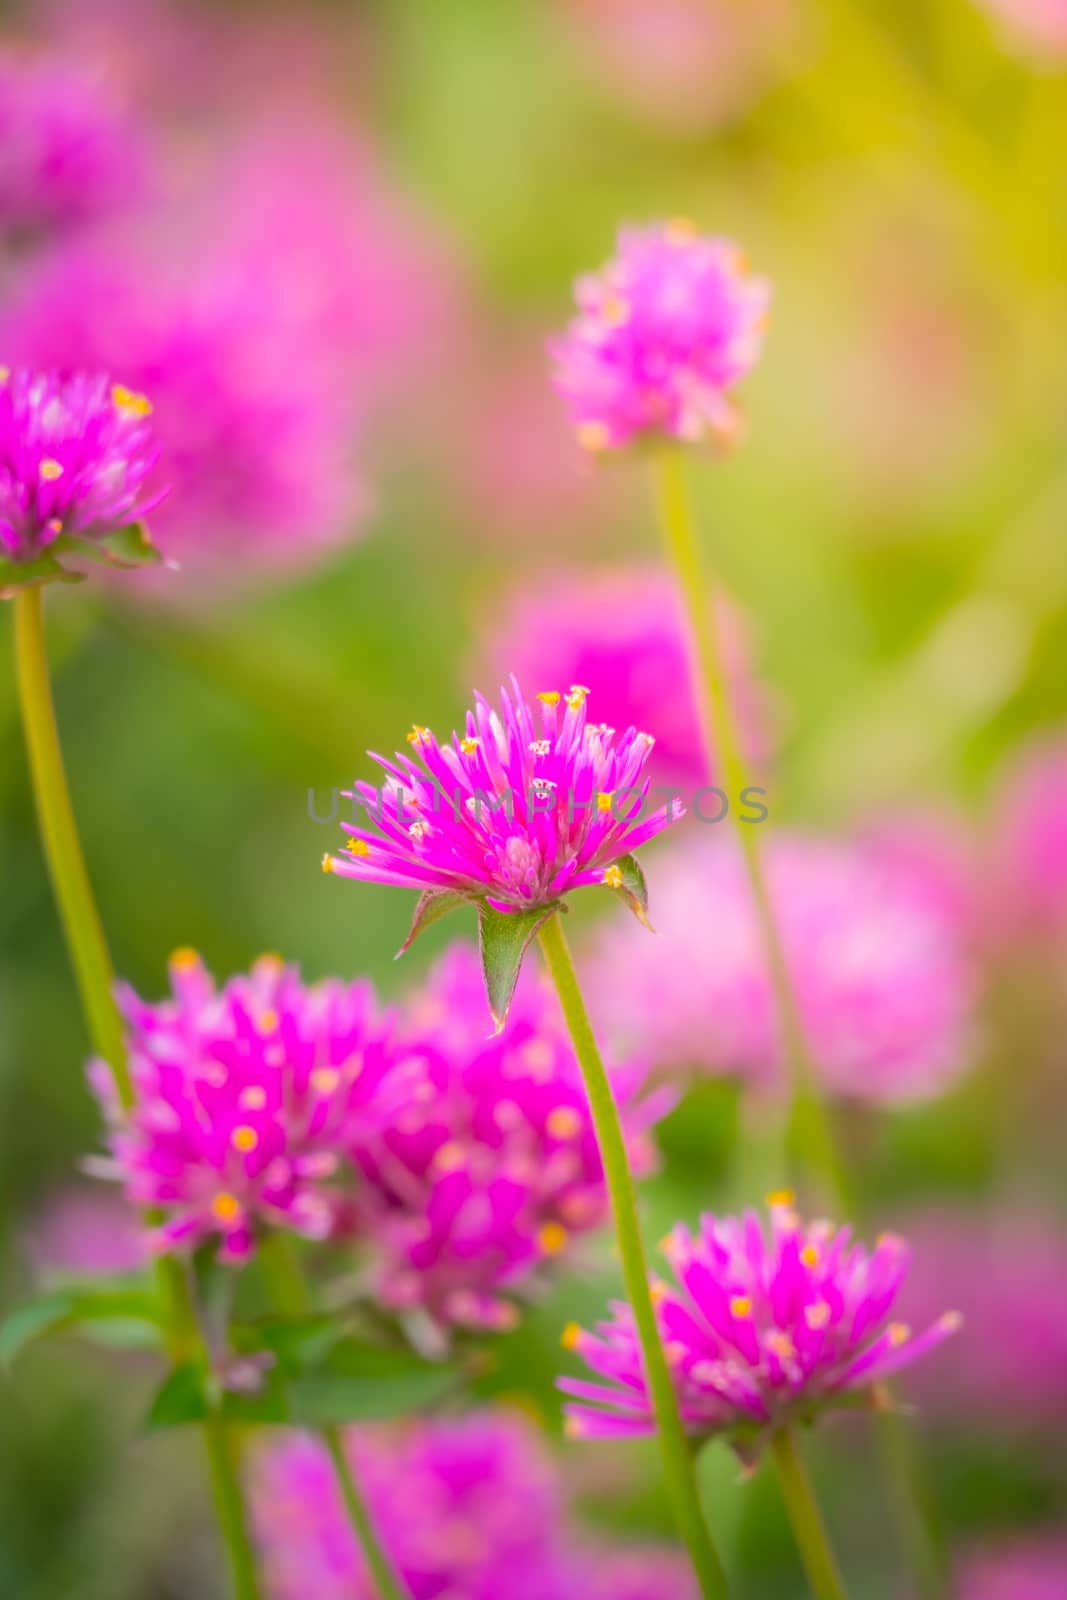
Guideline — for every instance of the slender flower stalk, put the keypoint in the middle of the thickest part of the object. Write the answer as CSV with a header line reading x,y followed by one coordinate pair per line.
x,y
802,1509
290,1292
91,960
674,1449
810,1132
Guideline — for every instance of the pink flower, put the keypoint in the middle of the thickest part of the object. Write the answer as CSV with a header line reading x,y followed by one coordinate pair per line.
x,y
69,153
761,1329
622,632
76,455
254,430
532,802
875,951
84,1231
1033,27
248,1099
662,332
1008,1275
1032,1569
1028,844
467,1507
491,1169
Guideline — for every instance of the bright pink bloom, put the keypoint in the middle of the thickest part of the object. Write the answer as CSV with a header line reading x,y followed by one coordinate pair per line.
x,y
491,1169
470,1508
254,428
1028,847
1008,1276
1030,1569
874,948
69,153
532,802
761,1329
1033,27
76,454
662,332
621,631
249,1098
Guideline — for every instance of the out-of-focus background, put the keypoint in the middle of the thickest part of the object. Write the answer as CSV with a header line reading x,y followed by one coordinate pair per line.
x,y
332,242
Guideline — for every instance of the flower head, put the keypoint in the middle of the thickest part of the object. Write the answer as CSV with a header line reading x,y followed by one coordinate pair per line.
x,y
622,632
875,949
1035,28
491,1170
1028,847
662,332
531,802
248,1099
76,454
761,1328
1025,1569
69,153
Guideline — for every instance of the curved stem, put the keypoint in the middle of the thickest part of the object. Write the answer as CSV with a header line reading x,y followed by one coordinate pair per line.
x,y
289,1291
678,1466
820,1564
91,960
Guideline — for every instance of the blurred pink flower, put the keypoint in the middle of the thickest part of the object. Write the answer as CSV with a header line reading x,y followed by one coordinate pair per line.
x,y
1027,847
621,632
1033,27
662,332
491,1169
69,151
81,1231
764,1326
687,65
876,955
247,1101
468,1507
1008,1276
1026,1569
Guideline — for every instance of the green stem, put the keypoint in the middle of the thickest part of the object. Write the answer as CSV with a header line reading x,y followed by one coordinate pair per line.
x,y
91,960
824,1579
288,1287
810,1133
677,1459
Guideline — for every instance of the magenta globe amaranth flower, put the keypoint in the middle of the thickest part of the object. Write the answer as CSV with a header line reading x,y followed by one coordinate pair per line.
x,y
248,1099
76,458
762,1328
490,1171
531,802
621,631
1024,1569
662,333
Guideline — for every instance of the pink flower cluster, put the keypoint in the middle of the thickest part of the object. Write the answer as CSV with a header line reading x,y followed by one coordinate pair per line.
x,y
531,802
621,631
1026,1569
76,456
469,1508
874,947
247,1098
492,1168
1027,846
662,332
762,1328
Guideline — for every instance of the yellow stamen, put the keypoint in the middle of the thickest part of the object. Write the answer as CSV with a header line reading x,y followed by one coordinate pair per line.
x,y
184,958
571,1336
741,1306
810,1256
593,436
552,1238
613,878
563,1122
604,801
551,697
450,1157
358,847
324,1080
680,230
781,1197
658,1290
573,1428
781,1344
5,373
614,309
327,863
244,1138
469,745
817,1317
269,962
50,470
128,400
952,1321
254,1098
899,1333
419,735
268,1021
227,1207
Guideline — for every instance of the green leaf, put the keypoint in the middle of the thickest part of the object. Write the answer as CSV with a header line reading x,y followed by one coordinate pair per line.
x,y
361,1382
432,905
128,546
633,889
15,575
181,1397
108,1312
504,937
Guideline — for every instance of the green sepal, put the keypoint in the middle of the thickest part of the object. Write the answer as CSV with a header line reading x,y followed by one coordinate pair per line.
x,y
16,575
633,889
128,546
431,906
504,938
